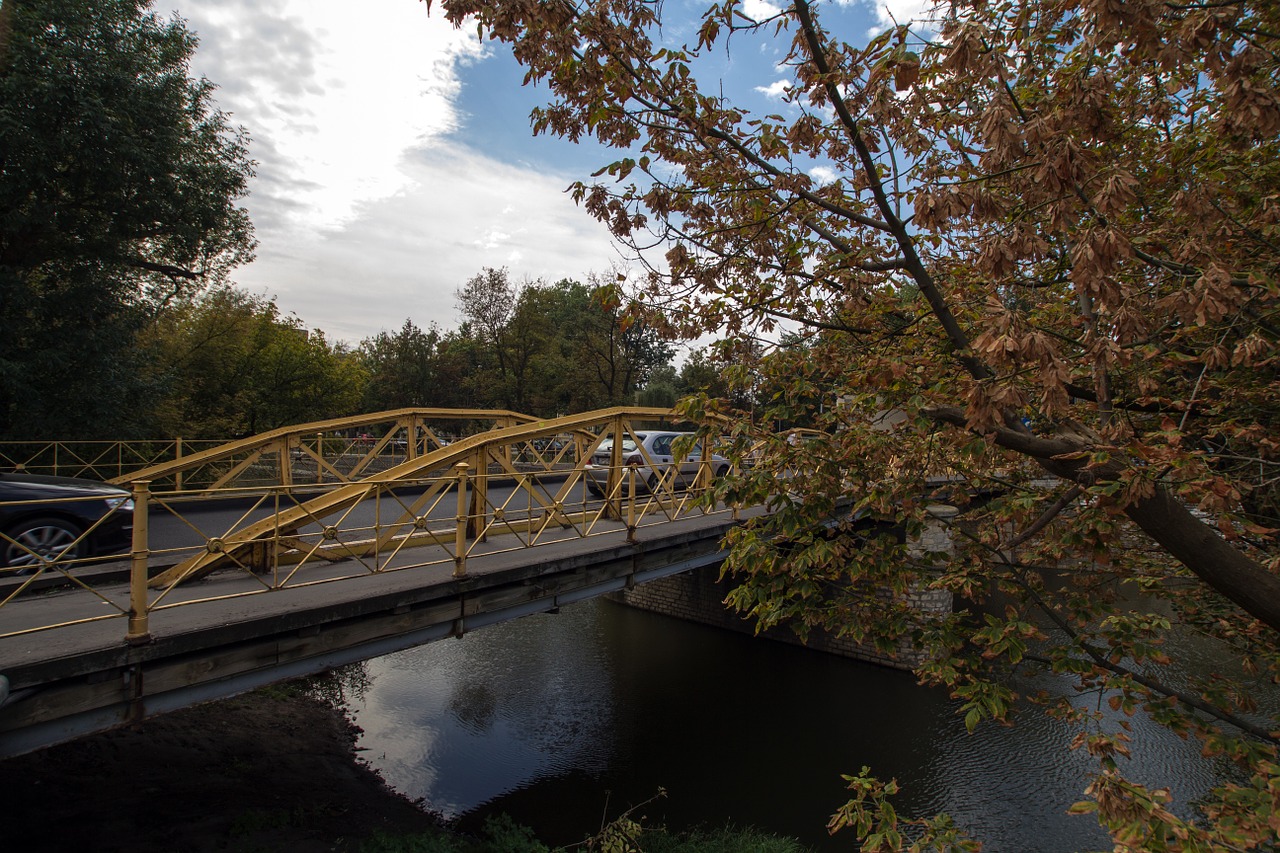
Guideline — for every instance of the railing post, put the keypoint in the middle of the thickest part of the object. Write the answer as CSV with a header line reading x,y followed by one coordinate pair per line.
x,y
319,457
139,631
631,505
614,479
177,456
460,537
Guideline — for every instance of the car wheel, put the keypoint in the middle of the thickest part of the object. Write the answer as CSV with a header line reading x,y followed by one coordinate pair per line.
x,y
652,483
37,538
595,490
722,471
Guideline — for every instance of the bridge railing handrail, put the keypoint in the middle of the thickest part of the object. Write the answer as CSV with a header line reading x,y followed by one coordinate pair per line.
x,y
107,459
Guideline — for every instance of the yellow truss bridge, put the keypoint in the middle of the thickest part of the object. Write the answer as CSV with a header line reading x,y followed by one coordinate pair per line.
x,y
367,495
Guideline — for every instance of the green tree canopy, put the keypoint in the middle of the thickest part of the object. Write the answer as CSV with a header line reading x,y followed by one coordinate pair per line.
x,y
554,348
401,368
1043,235
231,365
119,182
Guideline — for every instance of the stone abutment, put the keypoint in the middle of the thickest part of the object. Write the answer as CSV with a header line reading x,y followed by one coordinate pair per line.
x,y
699,596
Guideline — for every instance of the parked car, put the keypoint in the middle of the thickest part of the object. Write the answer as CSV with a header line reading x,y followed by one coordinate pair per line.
x,y
47,517
658,446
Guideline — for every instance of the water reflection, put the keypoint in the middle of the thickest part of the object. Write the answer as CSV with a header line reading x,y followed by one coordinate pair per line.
x,y
558,719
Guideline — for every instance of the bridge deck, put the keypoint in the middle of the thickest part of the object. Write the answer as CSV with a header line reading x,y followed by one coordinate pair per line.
x,y
84,677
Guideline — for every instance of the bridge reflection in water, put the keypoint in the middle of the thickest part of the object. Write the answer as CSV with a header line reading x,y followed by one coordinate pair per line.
x,y
412,540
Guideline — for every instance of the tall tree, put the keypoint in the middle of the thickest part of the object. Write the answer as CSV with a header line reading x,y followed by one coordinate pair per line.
x,y
231,366
1046,236
555,348
619,349
119,180
401,368
486,303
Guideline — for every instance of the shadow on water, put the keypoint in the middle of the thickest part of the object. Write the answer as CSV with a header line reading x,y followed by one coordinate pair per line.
x,y
563,720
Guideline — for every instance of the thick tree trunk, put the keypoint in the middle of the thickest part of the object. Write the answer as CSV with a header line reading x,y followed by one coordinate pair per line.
x,y
1210,557
1192,542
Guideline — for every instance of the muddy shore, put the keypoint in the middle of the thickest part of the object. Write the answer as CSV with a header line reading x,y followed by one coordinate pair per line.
x,y
273,770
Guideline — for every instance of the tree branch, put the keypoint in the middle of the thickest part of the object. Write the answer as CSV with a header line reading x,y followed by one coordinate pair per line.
x,y
913,264
1164,518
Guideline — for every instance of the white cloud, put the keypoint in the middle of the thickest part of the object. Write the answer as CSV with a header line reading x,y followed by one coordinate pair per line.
x,y
331,96
365,212
493,238
776,89
823,174
758,10
895,12
403,256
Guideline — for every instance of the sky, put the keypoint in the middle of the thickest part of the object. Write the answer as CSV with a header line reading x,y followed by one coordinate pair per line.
x,y
394,155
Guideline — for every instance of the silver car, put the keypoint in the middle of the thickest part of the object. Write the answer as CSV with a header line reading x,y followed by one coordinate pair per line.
x,y
655,447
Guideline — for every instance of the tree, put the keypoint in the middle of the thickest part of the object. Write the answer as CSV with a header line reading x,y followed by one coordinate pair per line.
x,y
728,371
401,368
119,181
486,303
619,348
232,366
660,390
1046,237
555,348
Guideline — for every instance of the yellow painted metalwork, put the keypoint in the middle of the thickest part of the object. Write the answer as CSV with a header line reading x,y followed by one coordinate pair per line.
x,y
461,522
307,535
475,450
97,460
273,452
139,609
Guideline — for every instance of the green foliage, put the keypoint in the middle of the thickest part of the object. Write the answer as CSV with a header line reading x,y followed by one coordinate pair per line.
x,y
725,840
401,368
502,835
872,817
385,842
232,366
545,349
119,182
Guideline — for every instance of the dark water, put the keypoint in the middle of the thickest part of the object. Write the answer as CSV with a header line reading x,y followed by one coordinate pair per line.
x,y
559,720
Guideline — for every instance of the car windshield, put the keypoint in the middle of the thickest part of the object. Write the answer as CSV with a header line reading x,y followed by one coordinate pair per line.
x,y
628,445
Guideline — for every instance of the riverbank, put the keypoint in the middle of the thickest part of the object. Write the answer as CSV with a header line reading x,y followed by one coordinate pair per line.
x,y
272,770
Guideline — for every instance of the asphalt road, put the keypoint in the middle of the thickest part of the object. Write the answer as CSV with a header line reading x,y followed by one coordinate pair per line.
x,y
182,526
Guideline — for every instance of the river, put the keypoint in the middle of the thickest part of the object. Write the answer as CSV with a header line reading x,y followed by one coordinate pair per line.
x,y
560,720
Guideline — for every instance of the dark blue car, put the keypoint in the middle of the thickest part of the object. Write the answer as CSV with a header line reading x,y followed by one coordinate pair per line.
x,y
66,518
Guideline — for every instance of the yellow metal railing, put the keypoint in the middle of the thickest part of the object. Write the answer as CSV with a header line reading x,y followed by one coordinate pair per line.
x,y
96,460
520,484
